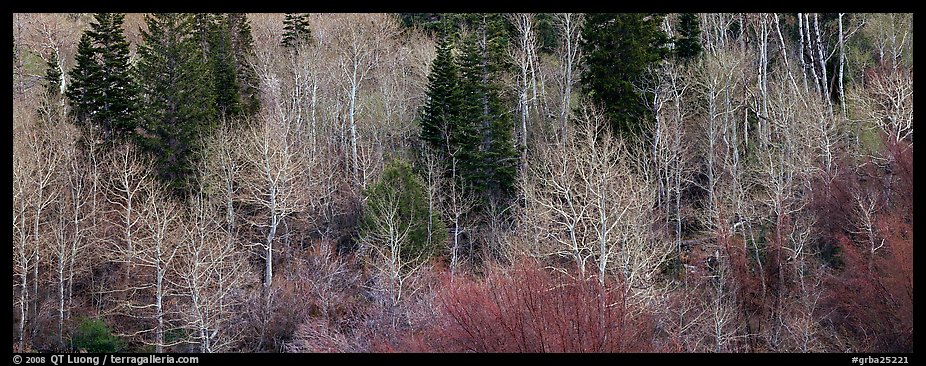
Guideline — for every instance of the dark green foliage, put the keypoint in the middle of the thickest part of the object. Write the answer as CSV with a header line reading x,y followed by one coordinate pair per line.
x,y
94,336
178,95
401,189
52,75
465,117
440,117
618,50
242,44
102,92
221,59
430,22
296,30
688,43
51,107
546,32
489,169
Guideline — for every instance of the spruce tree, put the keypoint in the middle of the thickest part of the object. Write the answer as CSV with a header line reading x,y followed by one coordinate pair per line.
x,y
491,159
618,50
51,107
102,93
688,44
440,116
220,57
178,96
242,44
296,30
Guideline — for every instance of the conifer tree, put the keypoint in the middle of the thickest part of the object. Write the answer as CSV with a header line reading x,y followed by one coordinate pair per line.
x,y
440,117
242,44
491,160
618,49
222,64
296,30
688,44
179,100
400,196
102,93
51,107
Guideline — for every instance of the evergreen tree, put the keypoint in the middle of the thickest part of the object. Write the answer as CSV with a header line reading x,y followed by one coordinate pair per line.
x,y
51,107
491,160
400,189
618,49
465,117
52,75
688,44
178,96
296,30
218,53
102,92
440,117
242,44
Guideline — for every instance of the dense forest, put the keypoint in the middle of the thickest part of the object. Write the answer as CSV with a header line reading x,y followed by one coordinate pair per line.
x,y
434,182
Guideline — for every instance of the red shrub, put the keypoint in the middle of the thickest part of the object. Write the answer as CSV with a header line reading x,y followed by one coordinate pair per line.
x,y
871,294
528,309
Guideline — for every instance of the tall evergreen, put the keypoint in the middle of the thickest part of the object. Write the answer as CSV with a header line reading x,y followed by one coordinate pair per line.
x,y
618,50
51,107
102,93
440,116
242,44
688,44
296,29
491,167
212,31
178,96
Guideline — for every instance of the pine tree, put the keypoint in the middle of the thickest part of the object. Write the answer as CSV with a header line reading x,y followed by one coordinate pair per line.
x,y
490,161
618,49
296,30
213,32
102,93
242,44
51,107
688,44
178,96
440,117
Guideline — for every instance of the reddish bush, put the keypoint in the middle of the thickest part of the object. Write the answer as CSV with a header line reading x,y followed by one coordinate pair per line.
x,y
528,309
871,293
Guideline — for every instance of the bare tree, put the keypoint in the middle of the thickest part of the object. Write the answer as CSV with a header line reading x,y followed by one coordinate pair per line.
x,y
74,211
384,244
594,193
718,83
212,272
23,172
458,204
570,25
524,54
359,44
886,101
270,180
128,177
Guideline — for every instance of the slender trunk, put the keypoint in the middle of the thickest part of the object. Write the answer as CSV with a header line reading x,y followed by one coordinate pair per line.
x,y
159,333
353,126
602,234
825,88
268,254
842,59
61,279
813,64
